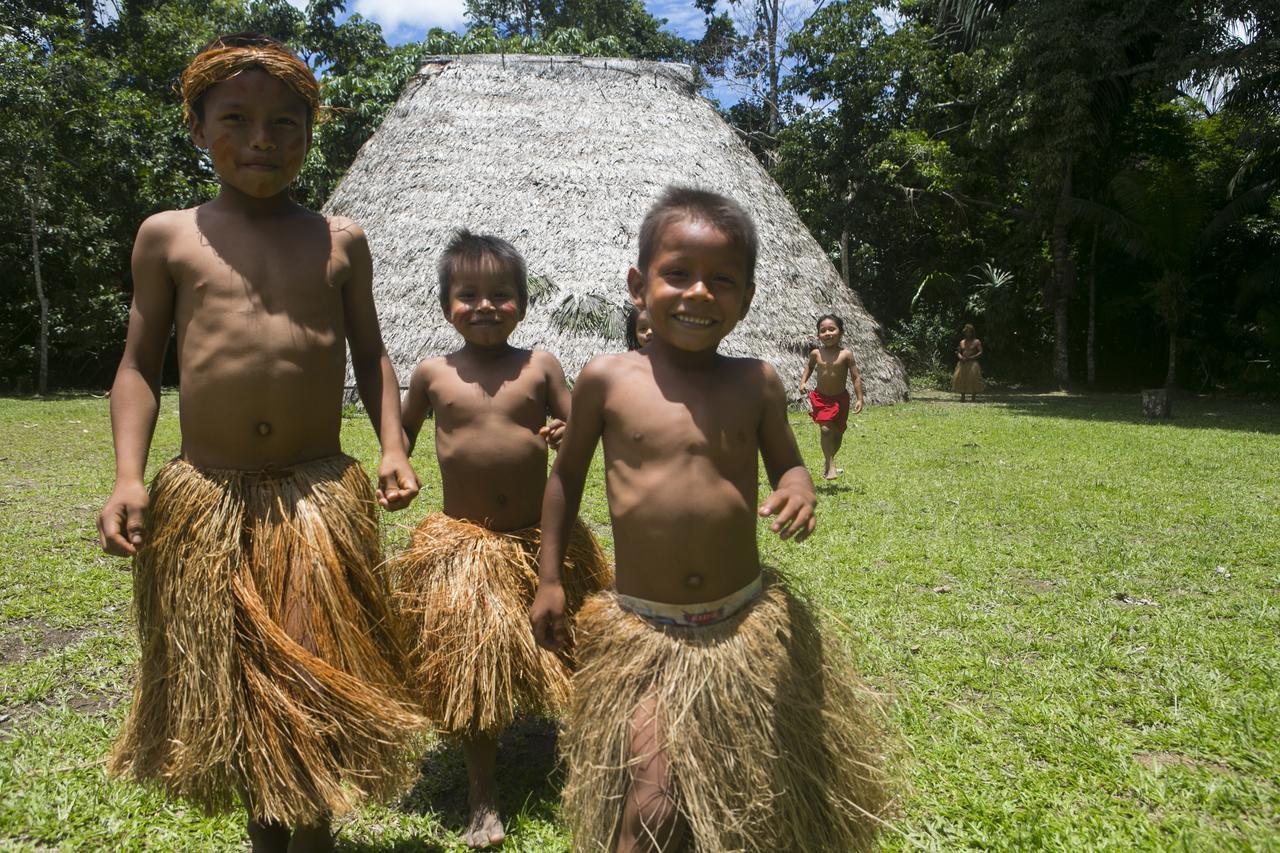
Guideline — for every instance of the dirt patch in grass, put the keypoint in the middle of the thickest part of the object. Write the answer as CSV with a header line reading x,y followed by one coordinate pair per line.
x,y
1154,761
18,644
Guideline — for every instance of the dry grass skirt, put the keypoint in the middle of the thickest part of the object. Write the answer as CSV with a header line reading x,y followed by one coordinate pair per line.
x,y
271,667
466,590
772,741
968,378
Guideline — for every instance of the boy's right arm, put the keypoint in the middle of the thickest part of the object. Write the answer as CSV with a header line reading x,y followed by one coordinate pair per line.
x,y
416,407
135,394
808,369
561,500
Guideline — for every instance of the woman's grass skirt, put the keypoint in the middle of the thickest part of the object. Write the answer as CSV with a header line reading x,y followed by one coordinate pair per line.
x,y
771,739
968,378
466,591
272,668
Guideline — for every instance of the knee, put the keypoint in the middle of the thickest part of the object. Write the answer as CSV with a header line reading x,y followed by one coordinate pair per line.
x,y
653,820
825,429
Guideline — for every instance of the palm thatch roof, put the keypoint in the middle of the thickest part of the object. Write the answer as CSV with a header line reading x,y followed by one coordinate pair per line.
x,y
562,156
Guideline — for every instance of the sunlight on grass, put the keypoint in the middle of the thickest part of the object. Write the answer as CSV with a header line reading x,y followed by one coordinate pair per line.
x,y
1074,612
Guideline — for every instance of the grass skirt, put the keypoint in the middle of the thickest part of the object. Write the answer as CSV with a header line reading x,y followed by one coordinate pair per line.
x,y
771,739
968,378
467,591
271,667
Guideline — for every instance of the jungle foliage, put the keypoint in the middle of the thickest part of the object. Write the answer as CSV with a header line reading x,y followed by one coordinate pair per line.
x,y
1091,183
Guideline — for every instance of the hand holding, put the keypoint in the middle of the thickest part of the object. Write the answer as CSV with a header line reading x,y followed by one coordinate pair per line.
x,y
122,522
792,511
553,433
857,407
397,483
546,616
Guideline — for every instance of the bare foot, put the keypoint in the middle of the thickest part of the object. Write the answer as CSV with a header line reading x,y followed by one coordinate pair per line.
x,y
486,827
312,838
268,837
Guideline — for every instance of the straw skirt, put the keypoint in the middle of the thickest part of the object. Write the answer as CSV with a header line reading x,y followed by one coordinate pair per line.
x,y
770,737
968,378
271,665
466,592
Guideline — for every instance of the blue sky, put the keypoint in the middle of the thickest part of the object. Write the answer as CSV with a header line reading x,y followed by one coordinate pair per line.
x,y
409,20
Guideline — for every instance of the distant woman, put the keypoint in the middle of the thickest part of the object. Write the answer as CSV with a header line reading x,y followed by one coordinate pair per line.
x,y
968,376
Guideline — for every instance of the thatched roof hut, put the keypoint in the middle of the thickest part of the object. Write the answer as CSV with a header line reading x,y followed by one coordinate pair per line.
x,y
562,156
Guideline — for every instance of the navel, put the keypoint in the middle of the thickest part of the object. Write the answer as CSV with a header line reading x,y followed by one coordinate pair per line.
x,y
264,428
693,581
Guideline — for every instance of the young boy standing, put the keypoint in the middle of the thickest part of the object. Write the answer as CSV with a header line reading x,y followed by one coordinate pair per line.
x,y
707,711
469,575
829,402
271,669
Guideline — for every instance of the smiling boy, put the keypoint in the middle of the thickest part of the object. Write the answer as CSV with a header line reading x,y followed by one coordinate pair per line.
x,y
271,668
468,577
707,711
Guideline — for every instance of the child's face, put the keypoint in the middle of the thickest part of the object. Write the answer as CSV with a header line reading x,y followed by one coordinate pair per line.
x,y
644,331
484,305
695,289
256,131
829,333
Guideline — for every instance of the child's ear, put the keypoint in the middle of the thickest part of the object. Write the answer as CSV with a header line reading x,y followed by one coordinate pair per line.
x,y
196,127
746,301
635,288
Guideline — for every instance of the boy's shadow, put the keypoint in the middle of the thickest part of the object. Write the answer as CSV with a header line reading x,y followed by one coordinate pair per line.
x,y
831,487
529,777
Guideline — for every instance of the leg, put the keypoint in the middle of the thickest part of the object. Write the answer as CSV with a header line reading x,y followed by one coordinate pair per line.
x,y
651,822
268,837
485,828
837,439
830,442
312,838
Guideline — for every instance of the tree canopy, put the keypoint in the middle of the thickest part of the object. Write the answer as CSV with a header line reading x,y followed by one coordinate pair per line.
x,y
1091,183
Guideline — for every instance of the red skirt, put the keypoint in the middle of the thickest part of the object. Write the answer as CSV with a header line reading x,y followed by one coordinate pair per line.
x,y
830,410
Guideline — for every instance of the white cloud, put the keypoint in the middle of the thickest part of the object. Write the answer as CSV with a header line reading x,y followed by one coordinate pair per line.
x,y
415,15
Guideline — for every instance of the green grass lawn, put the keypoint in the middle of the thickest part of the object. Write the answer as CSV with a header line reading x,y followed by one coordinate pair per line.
x,y
1075,614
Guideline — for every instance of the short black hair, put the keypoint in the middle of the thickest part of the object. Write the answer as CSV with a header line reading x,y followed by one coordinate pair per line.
x,y
719,211
835,318
465,248
633,326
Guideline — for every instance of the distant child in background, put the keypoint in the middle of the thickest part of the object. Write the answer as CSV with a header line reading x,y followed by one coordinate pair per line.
x,y
708,713
829,401
469,575
968,376
271,668
639,332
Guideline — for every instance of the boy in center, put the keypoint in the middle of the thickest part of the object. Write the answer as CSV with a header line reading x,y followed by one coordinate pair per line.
x,y
707,711
468,577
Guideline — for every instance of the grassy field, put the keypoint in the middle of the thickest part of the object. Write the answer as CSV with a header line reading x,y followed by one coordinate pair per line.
x,y
1074,612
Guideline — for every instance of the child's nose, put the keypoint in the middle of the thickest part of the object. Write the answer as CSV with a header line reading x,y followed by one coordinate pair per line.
x,y
697,289
262,138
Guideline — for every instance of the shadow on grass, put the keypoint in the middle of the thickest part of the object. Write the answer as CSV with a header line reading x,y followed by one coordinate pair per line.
x,y
529,777
830,487
1189,411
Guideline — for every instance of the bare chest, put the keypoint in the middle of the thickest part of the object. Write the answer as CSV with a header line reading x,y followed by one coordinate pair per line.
x,y
459,403
295,277
714,426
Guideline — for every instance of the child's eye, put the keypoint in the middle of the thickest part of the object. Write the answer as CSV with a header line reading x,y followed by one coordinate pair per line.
x,y
286,121
233,117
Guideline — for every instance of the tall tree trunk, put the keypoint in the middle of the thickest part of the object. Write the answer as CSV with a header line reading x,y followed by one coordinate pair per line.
x,y
1063,278
1091,354
771,10
42,378
1170,378
844,254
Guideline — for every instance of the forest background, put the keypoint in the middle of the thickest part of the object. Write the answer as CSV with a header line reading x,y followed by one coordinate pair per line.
x,y
1092,183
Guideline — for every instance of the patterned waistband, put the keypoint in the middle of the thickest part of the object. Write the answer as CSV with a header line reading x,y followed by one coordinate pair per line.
x,y
696,615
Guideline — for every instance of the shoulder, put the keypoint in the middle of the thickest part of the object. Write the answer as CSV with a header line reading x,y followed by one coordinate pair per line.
x,y
544,359
427,367
752,370
166,224
344,231
601,370
846,354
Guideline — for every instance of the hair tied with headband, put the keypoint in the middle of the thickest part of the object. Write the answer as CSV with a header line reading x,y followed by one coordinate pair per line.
x,y
229,55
